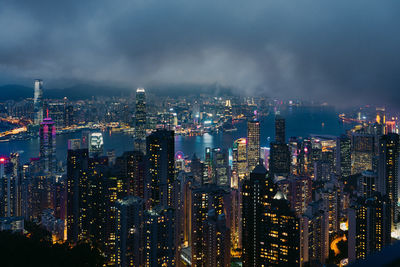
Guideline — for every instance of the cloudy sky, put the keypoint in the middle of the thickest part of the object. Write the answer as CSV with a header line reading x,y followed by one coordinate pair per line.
x,y
341,51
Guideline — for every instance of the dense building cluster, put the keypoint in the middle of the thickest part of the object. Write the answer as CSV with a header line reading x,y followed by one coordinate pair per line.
x,y
152,207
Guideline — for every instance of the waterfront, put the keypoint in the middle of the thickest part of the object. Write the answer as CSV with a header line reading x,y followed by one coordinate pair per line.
x,y
300,121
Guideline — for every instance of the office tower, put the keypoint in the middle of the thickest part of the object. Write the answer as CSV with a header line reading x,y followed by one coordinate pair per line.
x,y
208,170
129,232
330,195
343,156
239,155
362,153
280,130
77,190
69,116
185,223
10,186
389,169
368,183
220,165
279,162
217,240
96,144
38,102
197,169
132,168
159,237
322,170
298,191
47,152
205,198
282,234
161,168
257,194
56,111
314,225
369,226
140,120
253,144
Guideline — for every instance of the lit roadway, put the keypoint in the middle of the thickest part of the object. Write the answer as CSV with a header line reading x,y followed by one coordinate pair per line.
x,y
21,123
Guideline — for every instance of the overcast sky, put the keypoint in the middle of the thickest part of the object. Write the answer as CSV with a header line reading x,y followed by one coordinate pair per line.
x,y
340,51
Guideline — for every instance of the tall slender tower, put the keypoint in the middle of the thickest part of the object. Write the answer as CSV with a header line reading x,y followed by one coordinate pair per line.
x,y
280,129
38,102
140,120
389,169
253,144
161,168
47,153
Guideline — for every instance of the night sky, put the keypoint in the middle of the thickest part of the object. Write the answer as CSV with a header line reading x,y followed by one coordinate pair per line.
x,y
345,52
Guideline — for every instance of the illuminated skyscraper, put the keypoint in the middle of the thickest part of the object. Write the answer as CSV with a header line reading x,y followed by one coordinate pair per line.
x,y
362,153
253,144
220,164
140,120
282,234
343,156
47,152
159,237
77,188
161,168
280,129
96,144
217,241
239,161
129,232
389,146
132,167
314,225
38,102
204,199
10,186
257,194
279,162
369,226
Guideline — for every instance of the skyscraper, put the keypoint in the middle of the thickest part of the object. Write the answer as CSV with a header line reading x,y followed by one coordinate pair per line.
x,y
47,152
38,102
253,144
206,198
389,146
369,226
343,156
129,232
279,162
77,188
362,153
220,164
161,168
132,167
159,237
257,193
281,246
239,161
140,120
280,129
314,225
96,144
217,240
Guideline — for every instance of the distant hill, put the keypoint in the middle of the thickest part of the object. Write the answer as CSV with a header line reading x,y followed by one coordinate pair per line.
x,y
15,92
84,91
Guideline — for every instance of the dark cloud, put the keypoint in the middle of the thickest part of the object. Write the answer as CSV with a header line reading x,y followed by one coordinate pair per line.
x,y
341,51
